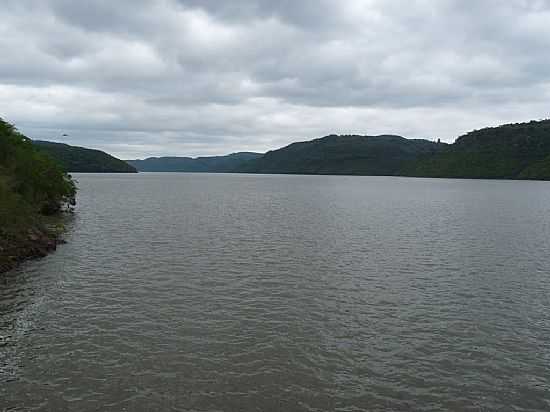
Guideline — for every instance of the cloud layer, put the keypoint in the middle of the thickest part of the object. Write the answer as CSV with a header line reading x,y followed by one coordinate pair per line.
x,y
199,77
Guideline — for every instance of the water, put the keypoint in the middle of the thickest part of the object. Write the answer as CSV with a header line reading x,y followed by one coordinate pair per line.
x,y
293,293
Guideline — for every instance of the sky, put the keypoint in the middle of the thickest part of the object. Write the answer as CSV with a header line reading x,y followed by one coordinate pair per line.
x,y
140,78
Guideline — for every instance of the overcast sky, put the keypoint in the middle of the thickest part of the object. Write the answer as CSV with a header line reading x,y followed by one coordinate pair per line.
x,y
139,78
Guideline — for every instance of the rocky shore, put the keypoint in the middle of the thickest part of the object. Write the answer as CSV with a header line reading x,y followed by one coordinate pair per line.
x,y
34,243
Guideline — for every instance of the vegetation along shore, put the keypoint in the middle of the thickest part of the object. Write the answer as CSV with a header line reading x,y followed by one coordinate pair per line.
x,y
33,191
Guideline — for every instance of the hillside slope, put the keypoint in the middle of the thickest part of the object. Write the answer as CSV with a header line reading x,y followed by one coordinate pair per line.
x,y
511,151
211,164
349,154
79,159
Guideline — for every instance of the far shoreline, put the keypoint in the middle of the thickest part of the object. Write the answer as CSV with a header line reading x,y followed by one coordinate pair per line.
x,y
511,179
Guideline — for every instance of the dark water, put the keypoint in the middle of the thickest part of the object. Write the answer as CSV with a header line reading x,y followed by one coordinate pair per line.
x,y
292,293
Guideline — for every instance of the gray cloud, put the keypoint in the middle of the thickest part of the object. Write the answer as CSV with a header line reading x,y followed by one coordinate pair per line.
x,y
193,77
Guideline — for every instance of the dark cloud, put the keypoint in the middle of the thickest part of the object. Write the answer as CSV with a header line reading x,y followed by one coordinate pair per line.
x,y
192,77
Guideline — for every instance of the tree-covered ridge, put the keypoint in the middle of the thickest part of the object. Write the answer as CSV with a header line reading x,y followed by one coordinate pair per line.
x,y
347,154
206,164
79,159
511,151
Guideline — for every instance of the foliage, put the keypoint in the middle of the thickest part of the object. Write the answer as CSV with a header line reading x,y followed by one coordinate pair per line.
x,y
512,151
350,154
210,164
78,159
31,184
539,170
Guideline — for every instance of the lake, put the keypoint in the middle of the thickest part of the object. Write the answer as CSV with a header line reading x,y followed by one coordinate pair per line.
x,y
221,292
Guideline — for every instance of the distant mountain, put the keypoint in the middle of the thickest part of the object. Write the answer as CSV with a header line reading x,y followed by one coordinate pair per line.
x,y
212,164
511,151
348,154
79,159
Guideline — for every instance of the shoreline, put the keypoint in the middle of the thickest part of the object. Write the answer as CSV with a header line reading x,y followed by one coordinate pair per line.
x,y
34,243
510,179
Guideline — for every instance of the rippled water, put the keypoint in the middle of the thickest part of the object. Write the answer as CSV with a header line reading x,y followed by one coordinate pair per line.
x,y
293,293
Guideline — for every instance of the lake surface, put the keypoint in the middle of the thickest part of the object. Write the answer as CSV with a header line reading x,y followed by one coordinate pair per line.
x,y
206,292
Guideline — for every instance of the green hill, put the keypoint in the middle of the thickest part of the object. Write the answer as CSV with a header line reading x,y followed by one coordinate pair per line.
x,y
31,186
349,155
210,164
79,159
511,151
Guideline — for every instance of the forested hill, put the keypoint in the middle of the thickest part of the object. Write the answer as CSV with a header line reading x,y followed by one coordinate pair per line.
x,y
212,164
31,186
511,151
79,159
348,154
